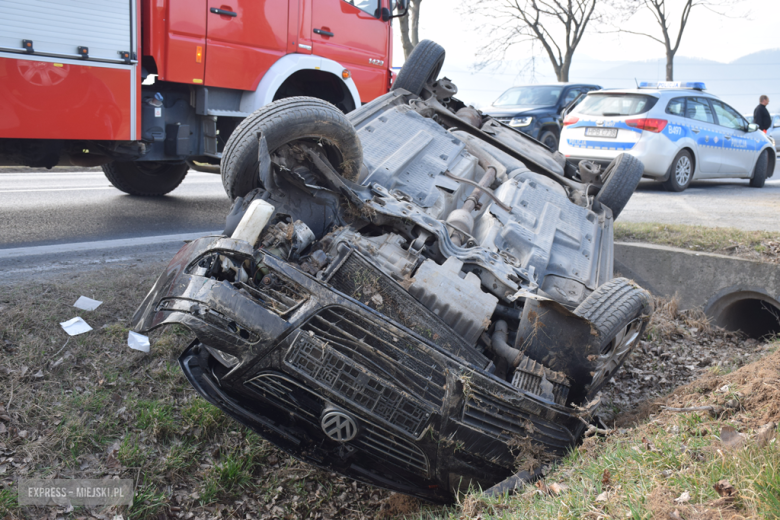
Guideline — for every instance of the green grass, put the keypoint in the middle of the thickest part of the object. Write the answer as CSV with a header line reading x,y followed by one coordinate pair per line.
x,y
8,501
148,503
697,238
156,417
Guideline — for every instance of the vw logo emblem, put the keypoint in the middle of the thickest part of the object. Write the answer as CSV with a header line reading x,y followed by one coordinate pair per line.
x,y
338,426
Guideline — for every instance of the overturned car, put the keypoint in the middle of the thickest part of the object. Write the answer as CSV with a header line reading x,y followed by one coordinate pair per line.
x,y
414,295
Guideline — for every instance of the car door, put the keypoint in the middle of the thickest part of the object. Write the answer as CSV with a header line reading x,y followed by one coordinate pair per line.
x,y
737,157
352,34
244,38
706,133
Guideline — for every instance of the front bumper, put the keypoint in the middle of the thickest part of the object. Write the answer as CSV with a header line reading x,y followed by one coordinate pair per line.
x,y
430,418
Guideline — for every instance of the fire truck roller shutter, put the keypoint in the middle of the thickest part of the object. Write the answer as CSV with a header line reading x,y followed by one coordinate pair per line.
x,y
60,27
283,69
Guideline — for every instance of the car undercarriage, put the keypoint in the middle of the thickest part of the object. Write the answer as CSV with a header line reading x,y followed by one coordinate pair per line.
x,y
415,295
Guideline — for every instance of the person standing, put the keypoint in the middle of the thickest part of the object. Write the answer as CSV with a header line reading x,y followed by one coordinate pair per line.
x,y
761,115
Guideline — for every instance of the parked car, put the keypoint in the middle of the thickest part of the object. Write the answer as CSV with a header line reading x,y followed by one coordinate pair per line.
x,y
536,109
678,131
372,307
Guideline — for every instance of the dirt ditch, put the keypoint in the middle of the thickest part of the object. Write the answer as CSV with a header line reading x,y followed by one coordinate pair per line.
x,y
89,407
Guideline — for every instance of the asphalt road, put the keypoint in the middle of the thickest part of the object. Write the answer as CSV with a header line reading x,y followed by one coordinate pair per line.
x,y
41,208
51,222
716,203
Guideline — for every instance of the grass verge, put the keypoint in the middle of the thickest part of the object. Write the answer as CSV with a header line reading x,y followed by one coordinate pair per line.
x,y
753,245
90,407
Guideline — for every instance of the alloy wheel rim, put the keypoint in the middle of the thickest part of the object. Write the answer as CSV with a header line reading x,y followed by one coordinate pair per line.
x,y
617,350
682,171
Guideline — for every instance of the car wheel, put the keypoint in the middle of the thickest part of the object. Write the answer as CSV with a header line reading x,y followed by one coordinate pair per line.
x,y
680,172
422,66
759,170
550,140
281,123
619,310
621,178
145,178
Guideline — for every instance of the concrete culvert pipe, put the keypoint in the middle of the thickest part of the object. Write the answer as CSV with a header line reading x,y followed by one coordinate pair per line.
x,y
754,313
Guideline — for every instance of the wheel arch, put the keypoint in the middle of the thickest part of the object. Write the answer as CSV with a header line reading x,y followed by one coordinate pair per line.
x,y
694,157
770,167
283,69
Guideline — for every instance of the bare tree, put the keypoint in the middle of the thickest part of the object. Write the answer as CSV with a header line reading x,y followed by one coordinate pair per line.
x,y
556,25
410,36
664,18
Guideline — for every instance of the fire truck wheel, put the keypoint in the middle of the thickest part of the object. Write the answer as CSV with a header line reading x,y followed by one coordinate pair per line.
x,y
422,66
281,123
145,178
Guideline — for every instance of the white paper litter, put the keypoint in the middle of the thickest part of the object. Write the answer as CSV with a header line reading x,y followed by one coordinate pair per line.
x,y
138,341
75,326
86,304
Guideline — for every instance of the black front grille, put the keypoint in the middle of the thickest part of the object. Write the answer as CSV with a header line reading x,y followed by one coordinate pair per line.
x,y
502,420
371,440
355,384
402,307
354,333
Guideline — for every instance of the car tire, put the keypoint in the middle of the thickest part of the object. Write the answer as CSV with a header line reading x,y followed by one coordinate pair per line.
x,y
422,66
282,122
145,178
619,311
622,176
759,170
550,140
680,172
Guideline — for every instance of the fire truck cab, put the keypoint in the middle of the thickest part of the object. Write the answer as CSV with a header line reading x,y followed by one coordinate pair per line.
x,y
147,88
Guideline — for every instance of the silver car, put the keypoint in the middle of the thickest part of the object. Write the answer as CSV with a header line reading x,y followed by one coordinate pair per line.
x,y
677,130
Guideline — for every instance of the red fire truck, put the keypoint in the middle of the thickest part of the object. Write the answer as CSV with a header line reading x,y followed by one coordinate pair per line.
x,y
146,88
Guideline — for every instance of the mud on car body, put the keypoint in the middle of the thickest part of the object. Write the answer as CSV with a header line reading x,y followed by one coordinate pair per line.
x,y
415,295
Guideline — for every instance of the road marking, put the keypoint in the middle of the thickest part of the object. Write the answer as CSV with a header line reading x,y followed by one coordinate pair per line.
x,y
102,244
39,190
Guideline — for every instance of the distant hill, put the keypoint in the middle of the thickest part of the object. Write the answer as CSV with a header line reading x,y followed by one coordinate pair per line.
x,y
739,83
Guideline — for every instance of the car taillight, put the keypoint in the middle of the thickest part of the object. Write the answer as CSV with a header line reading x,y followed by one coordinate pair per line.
x,y
570,120
651,125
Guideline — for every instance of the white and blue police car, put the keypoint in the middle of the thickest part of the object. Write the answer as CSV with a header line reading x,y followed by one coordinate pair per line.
x,y
679,132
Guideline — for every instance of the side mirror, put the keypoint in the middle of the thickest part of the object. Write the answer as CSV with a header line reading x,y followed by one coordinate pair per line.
x,y
386,15
752,127
402,6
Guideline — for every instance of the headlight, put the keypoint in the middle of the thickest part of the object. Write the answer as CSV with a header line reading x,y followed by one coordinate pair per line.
x,y
521,121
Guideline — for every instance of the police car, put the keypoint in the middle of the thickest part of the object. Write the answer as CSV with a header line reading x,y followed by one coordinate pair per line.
x,y
679,132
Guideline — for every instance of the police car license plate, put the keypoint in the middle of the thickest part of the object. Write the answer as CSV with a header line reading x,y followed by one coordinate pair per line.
x,y
601,132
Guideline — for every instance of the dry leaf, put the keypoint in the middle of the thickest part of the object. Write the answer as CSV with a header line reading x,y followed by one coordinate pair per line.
x,y
558,488
685,497
725,489
543,488
606,478
730,438
765,434
603,497
648,445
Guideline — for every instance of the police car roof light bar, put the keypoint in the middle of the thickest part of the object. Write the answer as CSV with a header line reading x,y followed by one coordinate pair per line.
x,y
693,85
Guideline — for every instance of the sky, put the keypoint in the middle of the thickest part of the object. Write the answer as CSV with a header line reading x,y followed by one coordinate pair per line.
x,y
746,29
